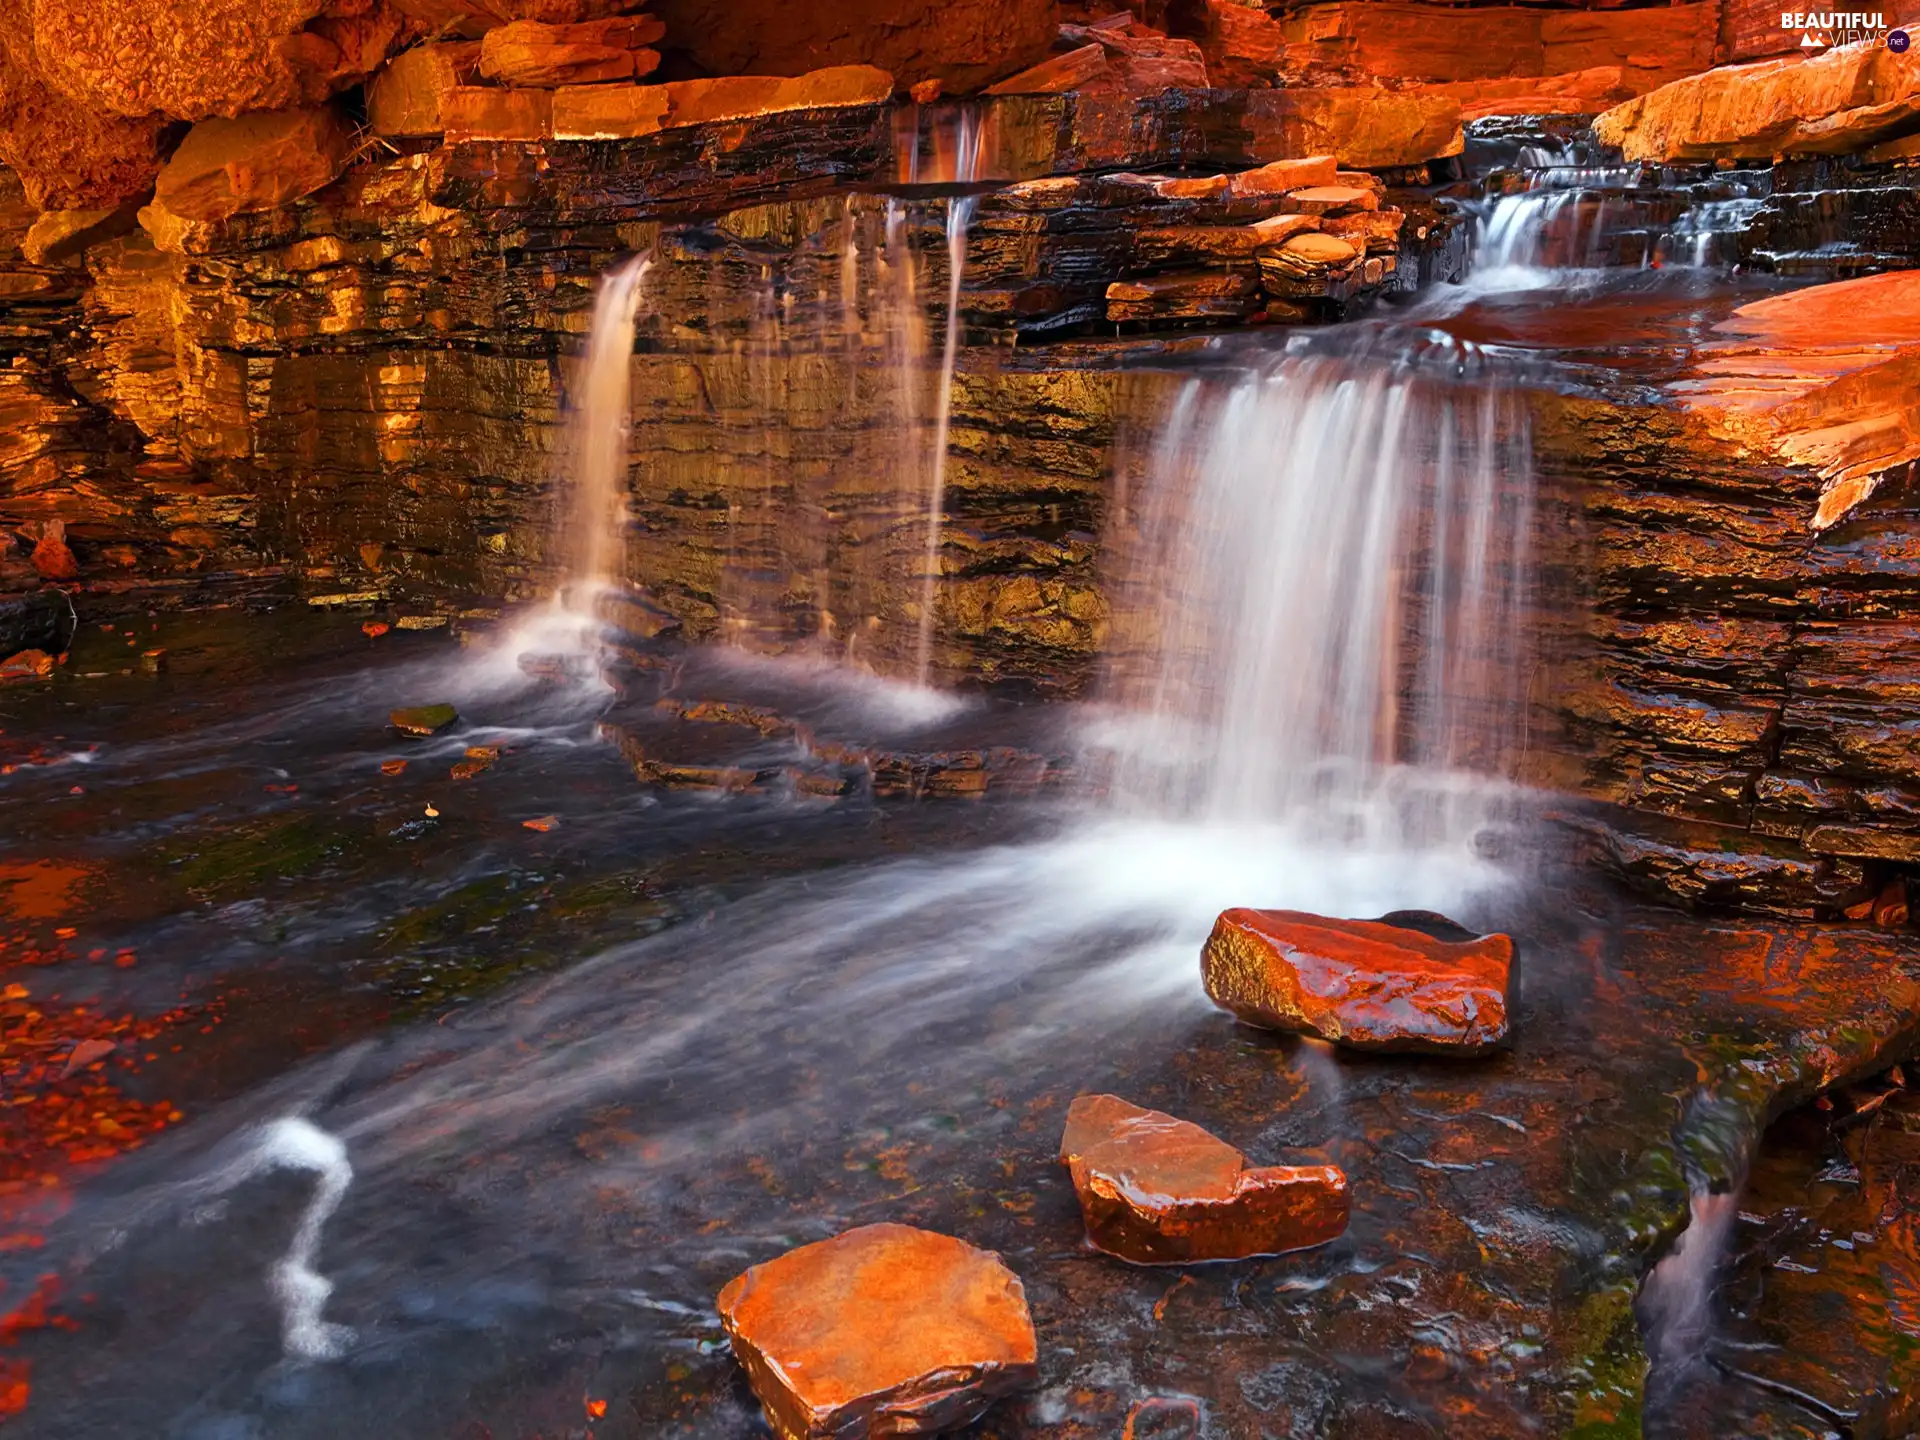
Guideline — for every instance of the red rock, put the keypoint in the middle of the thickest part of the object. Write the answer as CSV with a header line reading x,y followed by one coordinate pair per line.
x,y
1580,92
229,167
1242,44
1834,104
884,1330
1827,377
27,665
530,53
1161,1191
60,235
608,112
51,557
1332,199
408,98
68,155
481,112
1281,176
1074,70
1362,983
964,44
740,97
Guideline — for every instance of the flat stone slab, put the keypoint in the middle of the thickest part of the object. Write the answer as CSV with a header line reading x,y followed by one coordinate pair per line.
x,y
1161,1191
884,1330
421,721
1363,983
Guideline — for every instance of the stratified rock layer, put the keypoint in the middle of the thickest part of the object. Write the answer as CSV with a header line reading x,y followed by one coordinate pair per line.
x,y
1363,983
884,1330
1835,104
1160,1191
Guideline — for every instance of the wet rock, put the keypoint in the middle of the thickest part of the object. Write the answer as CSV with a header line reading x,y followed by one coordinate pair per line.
x,y
61,235
421,721
262,160
882,1330
1281,176
27,665
964,44
1362,983
52,558
1827,377
1833,104
528,52
743,97
408,98
1161,1191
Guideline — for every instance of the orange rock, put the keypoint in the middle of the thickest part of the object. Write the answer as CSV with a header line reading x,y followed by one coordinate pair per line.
x,y
1314,248
1332,199
1363,983
1580,92
884,1330
229,167
1364,127
480,112
60,235
1827,377
1283,176
740,97
608,112
1074,70
1161,1191
408,98
530,53
964,44
1834,104
68,154
27,665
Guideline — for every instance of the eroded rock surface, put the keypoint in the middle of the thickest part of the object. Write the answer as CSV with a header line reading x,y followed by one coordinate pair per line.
x,y
1364,983
882,1330
1160,1191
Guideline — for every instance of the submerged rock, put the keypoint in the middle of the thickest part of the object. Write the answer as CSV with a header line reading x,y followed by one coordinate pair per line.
x,y
422,720
884,1330
1363,983
1160,1191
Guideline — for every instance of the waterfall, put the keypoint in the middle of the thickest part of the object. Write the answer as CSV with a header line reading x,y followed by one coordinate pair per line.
x,y
960,210
1330,568
598,431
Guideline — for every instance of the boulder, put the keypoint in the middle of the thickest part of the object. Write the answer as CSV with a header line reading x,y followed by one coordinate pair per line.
x,y
1834,104
1074,70
1161,1191
52,559
883,1330
39,620
408,99
964,44
1363,983
532,54
1363,127
68,155
231,167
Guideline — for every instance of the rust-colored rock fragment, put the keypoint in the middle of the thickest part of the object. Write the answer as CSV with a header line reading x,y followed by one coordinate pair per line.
x,y
1363,983
530,53
408,98
1160,1191
884,1330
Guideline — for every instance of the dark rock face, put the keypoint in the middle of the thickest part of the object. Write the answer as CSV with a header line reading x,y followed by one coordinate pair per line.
x,y
37,621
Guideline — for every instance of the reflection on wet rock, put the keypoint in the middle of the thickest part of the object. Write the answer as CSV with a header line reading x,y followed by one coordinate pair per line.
x,y
885,1330
1160,1191
1364,983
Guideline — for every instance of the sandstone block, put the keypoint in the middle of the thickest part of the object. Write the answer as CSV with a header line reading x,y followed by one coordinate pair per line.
x,y
60,235
608,112
1072,71
530,53
884,1330
480,112
231,167
740,97
1332,199
1284,176
1314,248
408,98
1191,295
1363,983
1160,1191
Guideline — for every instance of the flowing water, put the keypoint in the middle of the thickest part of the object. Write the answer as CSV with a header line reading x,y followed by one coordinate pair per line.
x,y
1316,700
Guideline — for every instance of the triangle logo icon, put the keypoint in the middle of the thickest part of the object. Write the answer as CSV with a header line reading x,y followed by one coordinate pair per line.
x,y
1807,42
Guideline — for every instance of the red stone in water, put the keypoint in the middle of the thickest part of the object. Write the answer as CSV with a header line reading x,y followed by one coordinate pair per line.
x,y
1363,983
1160,1191
884,1330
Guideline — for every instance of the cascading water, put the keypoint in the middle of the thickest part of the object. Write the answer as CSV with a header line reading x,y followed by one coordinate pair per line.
x,y
1562,220
1334,558
959,221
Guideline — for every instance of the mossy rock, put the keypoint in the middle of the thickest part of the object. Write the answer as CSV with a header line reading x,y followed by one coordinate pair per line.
x,y
421,721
